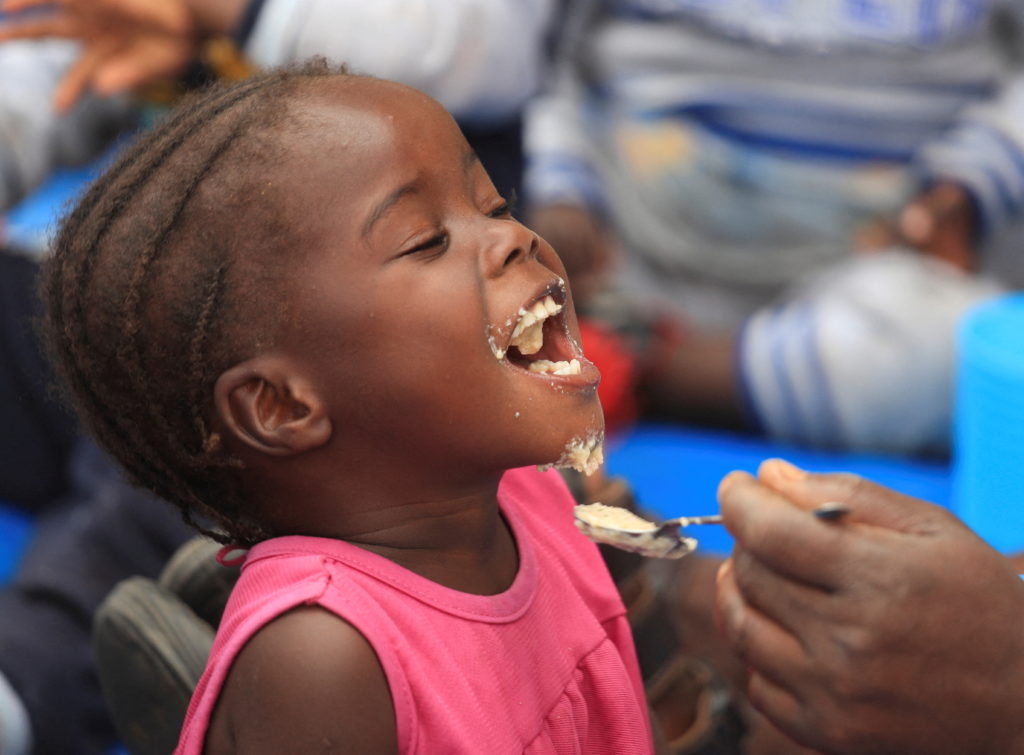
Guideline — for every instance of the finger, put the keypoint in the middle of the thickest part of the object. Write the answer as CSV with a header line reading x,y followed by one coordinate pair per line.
x,y
167,17
80,75
761,643
781,708
140,64
13,6
52,26
870,503
917,223
765,738
793,606
780,533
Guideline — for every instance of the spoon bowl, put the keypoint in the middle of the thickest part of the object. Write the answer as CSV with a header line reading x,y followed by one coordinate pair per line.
x,y
621,528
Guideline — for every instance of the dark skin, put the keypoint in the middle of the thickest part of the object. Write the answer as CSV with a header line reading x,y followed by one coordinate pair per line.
x,y
939,223
126,43
381,414
896,630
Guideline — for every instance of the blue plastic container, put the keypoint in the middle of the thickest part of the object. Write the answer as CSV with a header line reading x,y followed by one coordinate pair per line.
x,y
988,436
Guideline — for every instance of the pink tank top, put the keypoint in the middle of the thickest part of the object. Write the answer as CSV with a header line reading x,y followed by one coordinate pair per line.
x,y
546,667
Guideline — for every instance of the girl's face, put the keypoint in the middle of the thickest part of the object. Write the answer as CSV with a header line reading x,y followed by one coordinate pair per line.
x,y
406,307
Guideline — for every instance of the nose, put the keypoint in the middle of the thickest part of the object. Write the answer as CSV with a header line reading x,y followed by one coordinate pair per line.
x,y
508,242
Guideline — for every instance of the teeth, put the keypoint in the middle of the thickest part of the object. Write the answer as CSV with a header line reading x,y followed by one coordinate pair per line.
x,y
528,335
556,368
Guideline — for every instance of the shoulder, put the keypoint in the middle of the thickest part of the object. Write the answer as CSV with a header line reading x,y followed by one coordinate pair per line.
x,y
307,681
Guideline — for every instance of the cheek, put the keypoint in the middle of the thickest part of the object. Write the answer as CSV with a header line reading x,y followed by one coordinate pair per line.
x,y
550,259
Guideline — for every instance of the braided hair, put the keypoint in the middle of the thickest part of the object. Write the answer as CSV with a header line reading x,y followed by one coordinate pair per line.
x,y
152,275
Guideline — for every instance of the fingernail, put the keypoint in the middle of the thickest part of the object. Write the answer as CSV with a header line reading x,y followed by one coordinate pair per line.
x,y
788,470
728,481
723,571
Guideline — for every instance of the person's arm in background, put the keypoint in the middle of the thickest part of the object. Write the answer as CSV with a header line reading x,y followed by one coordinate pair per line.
x,y
34,140
481,58
975,179
895,629
974,172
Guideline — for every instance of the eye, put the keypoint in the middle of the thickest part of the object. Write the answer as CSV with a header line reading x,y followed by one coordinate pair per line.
x,y
506,209
433,246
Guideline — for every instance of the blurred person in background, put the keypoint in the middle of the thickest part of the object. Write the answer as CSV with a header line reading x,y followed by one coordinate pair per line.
x,y
714,174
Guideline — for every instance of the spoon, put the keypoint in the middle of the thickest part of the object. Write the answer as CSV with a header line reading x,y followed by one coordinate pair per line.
x,y
625,530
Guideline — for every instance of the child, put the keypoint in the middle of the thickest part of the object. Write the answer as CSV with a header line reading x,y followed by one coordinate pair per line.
x,y
299,309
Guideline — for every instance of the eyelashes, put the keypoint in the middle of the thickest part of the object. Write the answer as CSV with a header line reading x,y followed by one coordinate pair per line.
x,y
509,207
438,243
435,244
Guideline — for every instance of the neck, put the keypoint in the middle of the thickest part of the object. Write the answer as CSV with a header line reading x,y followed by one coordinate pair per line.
x,y
454,536
464,544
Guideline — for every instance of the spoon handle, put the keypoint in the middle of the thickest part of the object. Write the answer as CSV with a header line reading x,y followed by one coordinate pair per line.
x,y
829,512
686,521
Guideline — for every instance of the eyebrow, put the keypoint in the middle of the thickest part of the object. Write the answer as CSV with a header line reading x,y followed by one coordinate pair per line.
x,y
388,202
469,159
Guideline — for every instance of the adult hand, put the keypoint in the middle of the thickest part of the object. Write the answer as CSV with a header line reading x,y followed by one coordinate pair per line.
x,y
895,630
582,242
126,43
940,223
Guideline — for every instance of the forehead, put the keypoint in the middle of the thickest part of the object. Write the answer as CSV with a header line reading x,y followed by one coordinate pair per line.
x,y
356,141
359,119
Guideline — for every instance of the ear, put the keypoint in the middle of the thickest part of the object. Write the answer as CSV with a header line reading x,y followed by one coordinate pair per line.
x,y
268,406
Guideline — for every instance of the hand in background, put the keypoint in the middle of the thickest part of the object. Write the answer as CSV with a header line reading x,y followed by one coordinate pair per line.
x,y
126,43
582,242
895,630
940,223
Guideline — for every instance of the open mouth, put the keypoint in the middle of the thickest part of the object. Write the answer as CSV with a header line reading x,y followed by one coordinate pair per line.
x,y
540,341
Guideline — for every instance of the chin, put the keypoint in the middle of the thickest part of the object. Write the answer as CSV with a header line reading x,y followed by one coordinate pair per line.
x,y
582,450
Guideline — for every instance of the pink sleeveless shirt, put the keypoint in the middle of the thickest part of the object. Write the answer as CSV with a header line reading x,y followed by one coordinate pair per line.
x,y
547,666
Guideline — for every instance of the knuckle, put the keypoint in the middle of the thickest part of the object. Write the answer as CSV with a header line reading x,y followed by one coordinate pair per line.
x,y
850,485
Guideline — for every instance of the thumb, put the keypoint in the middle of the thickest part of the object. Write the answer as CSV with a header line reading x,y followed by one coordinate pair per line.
x,y
869,502
917,223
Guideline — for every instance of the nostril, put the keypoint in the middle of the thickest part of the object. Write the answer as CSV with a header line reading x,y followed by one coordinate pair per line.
x,y
512,256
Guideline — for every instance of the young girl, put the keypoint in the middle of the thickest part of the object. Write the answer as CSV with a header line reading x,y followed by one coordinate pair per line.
x,y
299,309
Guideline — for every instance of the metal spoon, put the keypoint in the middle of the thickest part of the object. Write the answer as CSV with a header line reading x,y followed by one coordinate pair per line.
x,y
625,530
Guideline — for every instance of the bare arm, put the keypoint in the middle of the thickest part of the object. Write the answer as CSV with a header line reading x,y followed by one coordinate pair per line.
x,y
307,682
480,58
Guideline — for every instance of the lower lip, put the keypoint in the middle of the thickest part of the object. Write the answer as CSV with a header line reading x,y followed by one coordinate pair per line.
x,y
588,376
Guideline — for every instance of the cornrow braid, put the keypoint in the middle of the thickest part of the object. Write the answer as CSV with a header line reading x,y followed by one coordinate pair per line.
x,y
147,275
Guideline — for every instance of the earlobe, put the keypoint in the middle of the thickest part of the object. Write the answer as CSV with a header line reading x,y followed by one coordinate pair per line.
x,y
264,405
